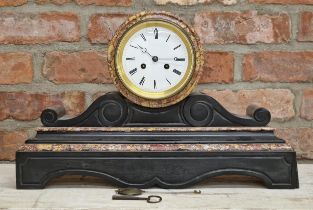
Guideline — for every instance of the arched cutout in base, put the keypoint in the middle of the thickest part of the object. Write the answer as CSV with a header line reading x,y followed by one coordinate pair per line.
x,y
156,181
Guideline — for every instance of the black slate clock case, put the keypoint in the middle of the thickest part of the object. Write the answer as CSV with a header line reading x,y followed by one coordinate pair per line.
x,y
131,125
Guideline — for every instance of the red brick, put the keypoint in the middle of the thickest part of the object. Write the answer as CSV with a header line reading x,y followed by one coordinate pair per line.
x,y
194,2
300,139
28,28
305,32
12,2
278,101
16,68
77,67
58,2
242,27
10,142
105,2
89,2
28,106
102,27
282,1
307,104
218,67
278,67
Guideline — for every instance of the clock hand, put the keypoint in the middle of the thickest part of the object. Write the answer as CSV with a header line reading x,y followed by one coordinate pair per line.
x,y
147,52
166,59
175,59
144,50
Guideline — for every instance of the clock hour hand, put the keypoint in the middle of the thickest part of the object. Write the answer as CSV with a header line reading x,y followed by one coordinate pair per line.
x,y
144,50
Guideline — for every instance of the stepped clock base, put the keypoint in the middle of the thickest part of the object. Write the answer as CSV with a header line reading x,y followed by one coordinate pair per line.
x,y
170,147
162,165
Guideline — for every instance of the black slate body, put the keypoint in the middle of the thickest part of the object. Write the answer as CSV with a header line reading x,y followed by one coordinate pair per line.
x,y
113,110
180,124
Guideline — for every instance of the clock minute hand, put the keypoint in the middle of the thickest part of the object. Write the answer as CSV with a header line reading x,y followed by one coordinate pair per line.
x,y
166,59
175,59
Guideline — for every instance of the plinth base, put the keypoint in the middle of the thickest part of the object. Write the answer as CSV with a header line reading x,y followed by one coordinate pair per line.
x,y
170,147
162,165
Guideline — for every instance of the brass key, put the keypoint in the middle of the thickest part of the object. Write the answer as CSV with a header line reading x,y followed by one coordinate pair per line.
x,y
149,199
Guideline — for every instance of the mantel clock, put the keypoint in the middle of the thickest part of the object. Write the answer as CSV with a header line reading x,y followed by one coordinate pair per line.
x,y
152,131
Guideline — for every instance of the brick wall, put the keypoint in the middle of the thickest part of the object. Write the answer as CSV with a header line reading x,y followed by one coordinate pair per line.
x,y
257,51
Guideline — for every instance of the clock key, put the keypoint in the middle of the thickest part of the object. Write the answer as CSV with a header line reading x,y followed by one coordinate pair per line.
x,y
149,199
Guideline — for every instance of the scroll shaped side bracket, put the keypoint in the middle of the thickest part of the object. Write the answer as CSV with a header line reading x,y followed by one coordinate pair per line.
x,y
203,110
108,110
112,110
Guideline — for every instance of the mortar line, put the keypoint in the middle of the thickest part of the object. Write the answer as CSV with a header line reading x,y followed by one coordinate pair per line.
x,y
238,67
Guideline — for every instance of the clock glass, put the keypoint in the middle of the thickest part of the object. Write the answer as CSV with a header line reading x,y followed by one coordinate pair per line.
x,y
155,59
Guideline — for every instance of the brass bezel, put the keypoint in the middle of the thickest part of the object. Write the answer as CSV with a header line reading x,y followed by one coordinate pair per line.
x,y
119,61
185,89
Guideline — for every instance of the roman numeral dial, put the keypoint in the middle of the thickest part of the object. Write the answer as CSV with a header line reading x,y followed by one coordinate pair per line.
x,y
155,59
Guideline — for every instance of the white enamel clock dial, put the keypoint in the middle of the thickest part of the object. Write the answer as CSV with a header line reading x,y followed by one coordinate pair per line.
x,y
155,59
